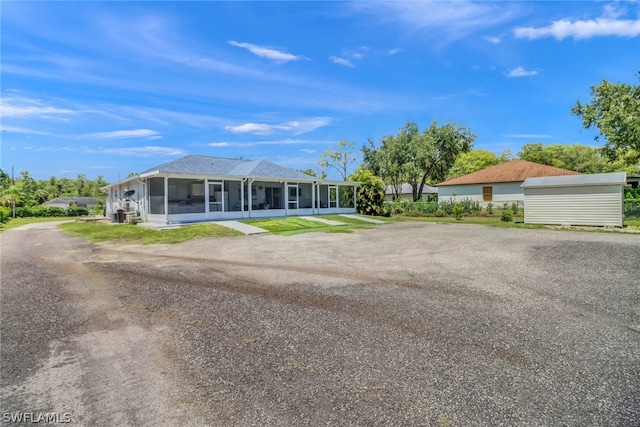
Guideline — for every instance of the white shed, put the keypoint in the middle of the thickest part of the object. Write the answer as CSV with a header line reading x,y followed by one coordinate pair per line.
x,y
594,199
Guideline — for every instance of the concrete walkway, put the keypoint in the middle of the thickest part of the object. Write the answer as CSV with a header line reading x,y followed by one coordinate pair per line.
x,y
322,220
363,218
245,228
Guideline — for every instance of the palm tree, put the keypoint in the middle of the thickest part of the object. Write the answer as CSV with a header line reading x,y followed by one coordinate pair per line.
x,y
10,196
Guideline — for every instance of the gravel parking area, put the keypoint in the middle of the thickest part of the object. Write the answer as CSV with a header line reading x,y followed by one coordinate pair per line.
x,y
402,324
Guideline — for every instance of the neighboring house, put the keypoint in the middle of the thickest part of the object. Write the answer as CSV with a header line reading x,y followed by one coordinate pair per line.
x,y
633,181
200,188
66,202
499,183
594,199
406,192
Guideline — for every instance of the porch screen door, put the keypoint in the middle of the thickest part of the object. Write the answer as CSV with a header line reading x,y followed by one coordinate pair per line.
x,y
292,196
216,197
333,196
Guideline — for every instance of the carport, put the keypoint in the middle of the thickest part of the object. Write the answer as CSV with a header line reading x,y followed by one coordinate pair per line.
x,y
594,199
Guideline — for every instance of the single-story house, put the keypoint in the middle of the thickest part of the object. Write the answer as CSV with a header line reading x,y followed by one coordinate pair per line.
x,y
497,184
66,202
200,188
406,192
594,199
633,181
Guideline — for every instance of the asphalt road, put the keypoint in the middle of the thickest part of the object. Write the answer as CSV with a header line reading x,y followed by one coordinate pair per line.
x,y
403,324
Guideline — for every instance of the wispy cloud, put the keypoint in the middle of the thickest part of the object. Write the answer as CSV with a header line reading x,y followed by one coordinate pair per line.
x,y
219,144
146,151
307,150
493,39
23,107
443,21
295,127
12,129
341,61
270,53
606,25
394,51
521,72
124,134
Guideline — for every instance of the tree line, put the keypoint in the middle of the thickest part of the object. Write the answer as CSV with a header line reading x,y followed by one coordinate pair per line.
x,y
441,152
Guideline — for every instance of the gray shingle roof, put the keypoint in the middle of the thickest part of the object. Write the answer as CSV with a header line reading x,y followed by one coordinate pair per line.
x,y
408,189
208,165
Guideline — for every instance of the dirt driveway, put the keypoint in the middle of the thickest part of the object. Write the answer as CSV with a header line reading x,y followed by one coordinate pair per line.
x,y
402,324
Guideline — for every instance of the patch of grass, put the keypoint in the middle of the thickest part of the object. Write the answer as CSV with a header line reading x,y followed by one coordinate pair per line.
x,y
632,222
493,221
293,225
345,219
98,232
18,222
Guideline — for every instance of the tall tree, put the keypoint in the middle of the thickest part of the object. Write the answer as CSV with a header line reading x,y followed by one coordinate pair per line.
x,y
615,111
473,161
416,157
339,158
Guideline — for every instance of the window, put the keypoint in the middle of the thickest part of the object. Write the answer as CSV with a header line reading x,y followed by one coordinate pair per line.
x,y
487,194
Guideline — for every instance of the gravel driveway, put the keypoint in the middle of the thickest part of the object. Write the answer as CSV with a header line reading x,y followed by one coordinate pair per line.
x,y
403,324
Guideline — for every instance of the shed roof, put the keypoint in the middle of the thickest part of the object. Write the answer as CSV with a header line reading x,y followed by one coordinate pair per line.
x,y
208,165
512,171
615,178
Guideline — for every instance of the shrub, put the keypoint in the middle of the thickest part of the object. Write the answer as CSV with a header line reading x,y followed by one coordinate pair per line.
x,y
458,211
490,208
514,208
440,213
506,216
5,214
77,211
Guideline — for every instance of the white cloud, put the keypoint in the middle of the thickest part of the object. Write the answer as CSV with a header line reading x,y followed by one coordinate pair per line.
x,y
125,134
294,127
12,129
146,151
521,72
394,51
219,144
307,150
606,25
8,109
341,61
444,21
493,39
267,52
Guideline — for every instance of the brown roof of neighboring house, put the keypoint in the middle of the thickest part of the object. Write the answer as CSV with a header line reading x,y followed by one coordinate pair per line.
x,y
512,171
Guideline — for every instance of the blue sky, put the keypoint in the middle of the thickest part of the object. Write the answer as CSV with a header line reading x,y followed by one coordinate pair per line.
x,y
109,88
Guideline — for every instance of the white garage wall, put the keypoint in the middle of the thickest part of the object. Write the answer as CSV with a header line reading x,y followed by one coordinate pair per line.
x,y
592,205
502,192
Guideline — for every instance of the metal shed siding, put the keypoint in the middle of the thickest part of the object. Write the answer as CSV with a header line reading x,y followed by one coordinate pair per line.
x,y
598,205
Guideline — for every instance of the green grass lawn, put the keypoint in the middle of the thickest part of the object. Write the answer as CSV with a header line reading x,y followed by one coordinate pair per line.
x,y
293,225
100,232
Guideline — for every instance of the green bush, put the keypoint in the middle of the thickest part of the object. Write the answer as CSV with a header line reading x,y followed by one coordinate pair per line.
x,y
490,208
457,211
5,214
440,213
77,211
506,216
514,208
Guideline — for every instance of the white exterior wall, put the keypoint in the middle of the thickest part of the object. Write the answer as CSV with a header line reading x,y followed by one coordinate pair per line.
x,y
502,192
590,205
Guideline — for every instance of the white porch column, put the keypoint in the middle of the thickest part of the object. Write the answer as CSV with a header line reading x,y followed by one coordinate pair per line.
x,y
166,199
286,198
206,197
337,197
313,197
250,195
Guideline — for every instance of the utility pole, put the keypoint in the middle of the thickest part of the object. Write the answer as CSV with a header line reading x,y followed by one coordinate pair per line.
x,y
13,196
